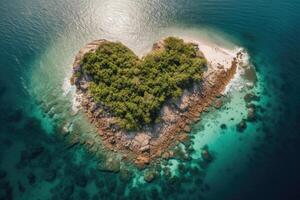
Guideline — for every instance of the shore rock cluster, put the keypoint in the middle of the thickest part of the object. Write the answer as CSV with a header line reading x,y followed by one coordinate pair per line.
x,y
141,147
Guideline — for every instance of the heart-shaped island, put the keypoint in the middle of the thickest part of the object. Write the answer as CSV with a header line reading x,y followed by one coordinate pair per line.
x,y
143,107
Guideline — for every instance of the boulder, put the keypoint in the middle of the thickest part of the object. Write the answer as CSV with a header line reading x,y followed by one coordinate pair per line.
x,y
141,142
142,160
165,155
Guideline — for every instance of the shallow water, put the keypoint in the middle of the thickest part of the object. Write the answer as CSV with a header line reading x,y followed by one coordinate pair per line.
x,y
39,40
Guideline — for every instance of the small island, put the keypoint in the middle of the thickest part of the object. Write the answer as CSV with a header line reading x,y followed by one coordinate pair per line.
x,y
143,107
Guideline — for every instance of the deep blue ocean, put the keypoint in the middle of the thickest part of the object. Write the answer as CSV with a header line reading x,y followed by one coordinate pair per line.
x,y
38,42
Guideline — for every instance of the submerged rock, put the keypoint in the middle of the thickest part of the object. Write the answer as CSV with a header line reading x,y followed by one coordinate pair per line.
x,y
149,175
33,152
182,168
251,115
165,155
251,97
223,126
125,174
167,172
110,165
206,155
50,175
240,127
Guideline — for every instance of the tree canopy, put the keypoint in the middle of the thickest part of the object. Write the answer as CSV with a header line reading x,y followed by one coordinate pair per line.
x,y
134,89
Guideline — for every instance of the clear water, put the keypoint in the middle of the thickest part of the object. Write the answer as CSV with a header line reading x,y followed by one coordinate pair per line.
x,y
38,42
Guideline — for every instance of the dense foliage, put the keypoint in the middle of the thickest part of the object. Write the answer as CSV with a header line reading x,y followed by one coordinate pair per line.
x,y
133,89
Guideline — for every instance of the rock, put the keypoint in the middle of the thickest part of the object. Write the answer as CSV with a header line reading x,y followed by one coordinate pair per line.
x,y
65,130
180,153
167,172
73,142
251,97
145,148
206,155
218,104
251,115
182,168
141,142
250,85
223,126
184,137
112,140
149,176
187,129
142,160
33,152
190,149
165,155
125,175
84,86
241,126
110,165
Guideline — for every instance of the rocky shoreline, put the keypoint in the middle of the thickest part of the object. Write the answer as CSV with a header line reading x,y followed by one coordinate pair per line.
x,y
156,141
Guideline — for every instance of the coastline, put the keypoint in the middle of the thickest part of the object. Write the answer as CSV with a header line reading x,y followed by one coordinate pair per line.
x,y
153,143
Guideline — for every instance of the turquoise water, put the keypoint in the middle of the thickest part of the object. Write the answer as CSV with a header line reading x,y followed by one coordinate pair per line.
x,y
39,40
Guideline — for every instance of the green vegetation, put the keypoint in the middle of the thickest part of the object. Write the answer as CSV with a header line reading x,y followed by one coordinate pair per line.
x,y
134,90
